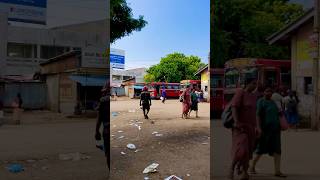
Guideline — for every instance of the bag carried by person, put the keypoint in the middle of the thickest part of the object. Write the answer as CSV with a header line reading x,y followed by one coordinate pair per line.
x,y
181,98
227,118
283,122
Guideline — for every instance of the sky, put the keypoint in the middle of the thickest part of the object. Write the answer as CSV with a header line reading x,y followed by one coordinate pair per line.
x,y
173,26
306,3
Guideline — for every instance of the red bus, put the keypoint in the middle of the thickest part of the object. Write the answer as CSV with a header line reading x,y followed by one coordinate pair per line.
x,y
172,89
194,83
274,73
216,97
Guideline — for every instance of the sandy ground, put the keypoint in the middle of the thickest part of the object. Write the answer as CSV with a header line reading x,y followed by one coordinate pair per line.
x,y
39,142
300,159
182,150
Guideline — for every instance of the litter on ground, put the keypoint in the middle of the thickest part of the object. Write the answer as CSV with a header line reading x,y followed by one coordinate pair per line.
x,y
173,177
151,168
131,146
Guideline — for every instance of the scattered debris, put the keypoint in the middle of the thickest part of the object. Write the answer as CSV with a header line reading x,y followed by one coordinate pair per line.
x,y
159,135
155,132
131,146
146,178
15,168
152,122
114,114
151,168
132,111
188,175
112,135
120,131
173,177
137,150
120,137
123,153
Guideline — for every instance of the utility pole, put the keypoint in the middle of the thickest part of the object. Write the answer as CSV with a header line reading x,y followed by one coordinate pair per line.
x,y
315,118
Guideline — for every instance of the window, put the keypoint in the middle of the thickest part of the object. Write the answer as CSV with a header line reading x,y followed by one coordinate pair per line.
x,y
21,50
271,78
308,87
232,78
126,77
116,78
47,52
206,88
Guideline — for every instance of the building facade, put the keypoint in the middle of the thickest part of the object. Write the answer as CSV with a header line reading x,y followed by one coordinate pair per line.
x,y
22,49
205,84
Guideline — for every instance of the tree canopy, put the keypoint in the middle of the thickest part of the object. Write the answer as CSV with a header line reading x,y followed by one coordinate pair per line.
x,y
174,68
239,28
122,21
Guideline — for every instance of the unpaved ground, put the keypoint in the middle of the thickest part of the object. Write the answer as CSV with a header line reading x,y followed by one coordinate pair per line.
x,y
38,142
183,150
300,155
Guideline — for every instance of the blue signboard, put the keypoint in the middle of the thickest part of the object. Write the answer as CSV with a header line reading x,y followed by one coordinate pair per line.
x,y
117,58
27,11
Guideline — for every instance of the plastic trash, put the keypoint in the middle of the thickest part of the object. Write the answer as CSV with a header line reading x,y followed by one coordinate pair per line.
x,y
120,137
173,177
114,114
120,131
123,153
151,168
159,135
15,168
131,146
155,132
146,178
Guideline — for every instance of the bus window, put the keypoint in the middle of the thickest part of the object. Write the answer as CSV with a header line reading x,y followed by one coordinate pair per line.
x,y
231,78
217,81
271,78
248,73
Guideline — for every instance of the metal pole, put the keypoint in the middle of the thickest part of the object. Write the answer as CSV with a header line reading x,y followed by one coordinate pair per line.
x,y
315,118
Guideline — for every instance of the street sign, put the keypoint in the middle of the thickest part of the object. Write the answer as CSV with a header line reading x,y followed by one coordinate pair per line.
x,y
117,58
27,11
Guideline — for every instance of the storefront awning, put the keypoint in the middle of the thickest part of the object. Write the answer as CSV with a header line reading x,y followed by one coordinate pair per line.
x,y
138,87
89,80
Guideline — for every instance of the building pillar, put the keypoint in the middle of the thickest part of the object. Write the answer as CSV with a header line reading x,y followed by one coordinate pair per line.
x,y
315,114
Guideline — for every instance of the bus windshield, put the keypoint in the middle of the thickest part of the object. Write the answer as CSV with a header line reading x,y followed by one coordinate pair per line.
x,y
249,72
231,78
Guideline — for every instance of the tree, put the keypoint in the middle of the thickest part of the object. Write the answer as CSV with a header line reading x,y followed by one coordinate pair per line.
x,y
122,21
174,68
239,28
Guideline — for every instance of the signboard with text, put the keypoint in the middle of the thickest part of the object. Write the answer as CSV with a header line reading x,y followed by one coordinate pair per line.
x,y
117,58
93,57
27,11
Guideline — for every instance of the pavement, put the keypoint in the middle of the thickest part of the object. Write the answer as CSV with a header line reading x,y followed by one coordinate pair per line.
x,y
300,155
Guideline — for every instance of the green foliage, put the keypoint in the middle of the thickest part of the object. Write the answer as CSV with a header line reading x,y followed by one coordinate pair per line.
x,y
122,21
239,28
174,68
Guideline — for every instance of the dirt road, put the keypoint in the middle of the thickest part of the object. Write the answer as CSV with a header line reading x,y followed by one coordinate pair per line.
x,y
182,148
38,144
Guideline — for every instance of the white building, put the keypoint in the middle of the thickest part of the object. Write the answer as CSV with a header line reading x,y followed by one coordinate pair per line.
x,y
22,49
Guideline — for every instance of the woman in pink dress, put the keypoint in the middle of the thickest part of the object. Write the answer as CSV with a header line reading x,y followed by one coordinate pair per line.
x,y
245,129
186,103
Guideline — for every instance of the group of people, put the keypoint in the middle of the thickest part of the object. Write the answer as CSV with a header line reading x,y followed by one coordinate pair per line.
x,y
257,126
190,99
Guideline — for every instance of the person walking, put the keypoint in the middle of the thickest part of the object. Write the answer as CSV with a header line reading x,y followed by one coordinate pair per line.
x,y
186,102
17,109
245,128
291,110
194,102
270,140
145,101
104,119
164,95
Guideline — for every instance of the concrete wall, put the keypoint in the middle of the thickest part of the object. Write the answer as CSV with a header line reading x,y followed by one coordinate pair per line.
x,y
53,92
68,94
302,67
53,37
